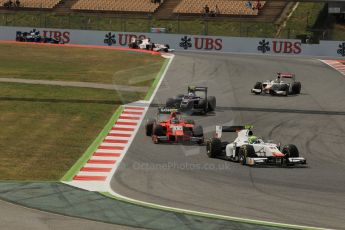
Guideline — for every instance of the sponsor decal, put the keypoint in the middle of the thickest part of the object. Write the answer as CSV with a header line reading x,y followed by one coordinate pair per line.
x,y
186,42
120,39
201,43
62,36
264,46
341,49
47,36
286,47
109,39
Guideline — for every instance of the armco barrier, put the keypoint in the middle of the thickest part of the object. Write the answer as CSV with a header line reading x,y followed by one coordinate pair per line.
x,y
264,46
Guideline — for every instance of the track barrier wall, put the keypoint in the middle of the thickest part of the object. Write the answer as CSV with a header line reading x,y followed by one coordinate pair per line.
x,y
182,42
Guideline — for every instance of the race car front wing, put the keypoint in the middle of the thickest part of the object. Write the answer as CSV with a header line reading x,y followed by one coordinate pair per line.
x,y
275,160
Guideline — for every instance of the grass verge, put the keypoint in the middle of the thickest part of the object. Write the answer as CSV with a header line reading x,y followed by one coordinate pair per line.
x,y
45,129
304,17
33,61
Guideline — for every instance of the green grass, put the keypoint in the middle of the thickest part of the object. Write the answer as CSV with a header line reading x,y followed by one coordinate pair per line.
x,y
338,32
78,64
304,17
197,26
45,129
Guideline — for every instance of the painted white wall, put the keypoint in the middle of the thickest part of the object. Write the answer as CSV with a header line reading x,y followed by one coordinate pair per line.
x,y
191,42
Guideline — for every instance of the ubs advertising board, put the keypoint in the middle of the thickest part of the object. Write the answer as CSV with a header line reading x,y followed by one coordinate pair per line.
x,y
184,42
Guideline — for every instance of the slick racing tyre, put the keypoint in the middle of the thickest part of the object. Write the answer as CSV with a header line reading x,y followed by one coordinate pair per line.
x,y
284,88
258,85
158,130
198,131
149,127
290,151
214,147
211,103
296,87
167,47
246,151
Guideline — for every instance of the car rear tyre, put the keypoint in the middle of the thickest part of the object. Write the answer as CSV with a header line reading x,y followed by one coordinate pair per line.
x,y
296,87
214,147
211,103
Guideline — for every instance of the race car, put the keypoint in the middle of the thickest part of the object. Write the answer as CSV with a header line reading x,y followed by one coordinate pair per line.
x,y
251,150
285,84
35,36
195,101
170,127
146,44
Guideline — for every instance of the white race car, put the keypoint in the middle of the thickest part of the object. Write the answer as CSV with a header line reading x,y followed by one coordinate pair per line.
x,y
284,85
146,44
250,150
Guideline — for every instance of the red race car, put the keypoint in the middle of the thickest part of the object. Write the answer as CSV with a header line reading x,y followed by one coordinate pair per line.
x,y
170,127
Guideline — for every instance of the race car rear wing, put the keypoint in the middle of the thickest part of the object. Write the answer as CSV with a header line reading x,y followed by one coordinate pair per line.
x,y
167,110
227,129
286,75
197,88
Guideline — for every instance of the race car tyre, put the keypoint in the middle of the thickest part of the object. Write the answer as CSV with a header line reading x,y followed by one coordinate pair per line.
x,y
167,47
133,45
284,88
296,87
214,147
290,151
198,131
149,127
211,103
172,103
258,85
158,130
242,157
246,151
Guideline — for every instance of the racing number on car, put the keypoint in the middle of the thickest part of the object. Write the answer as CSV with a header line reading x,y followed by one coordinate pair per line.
x,y
175,129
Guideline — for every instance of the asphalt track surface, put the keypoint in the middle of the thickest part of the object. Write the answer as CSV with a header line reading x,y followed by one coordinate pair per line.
x,y
184,177
14,217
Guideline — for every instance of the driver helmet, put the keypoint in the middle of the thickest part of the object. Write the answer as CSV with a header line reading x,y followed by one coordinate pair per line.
x,y
252,139
191,94
278,78
174,120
